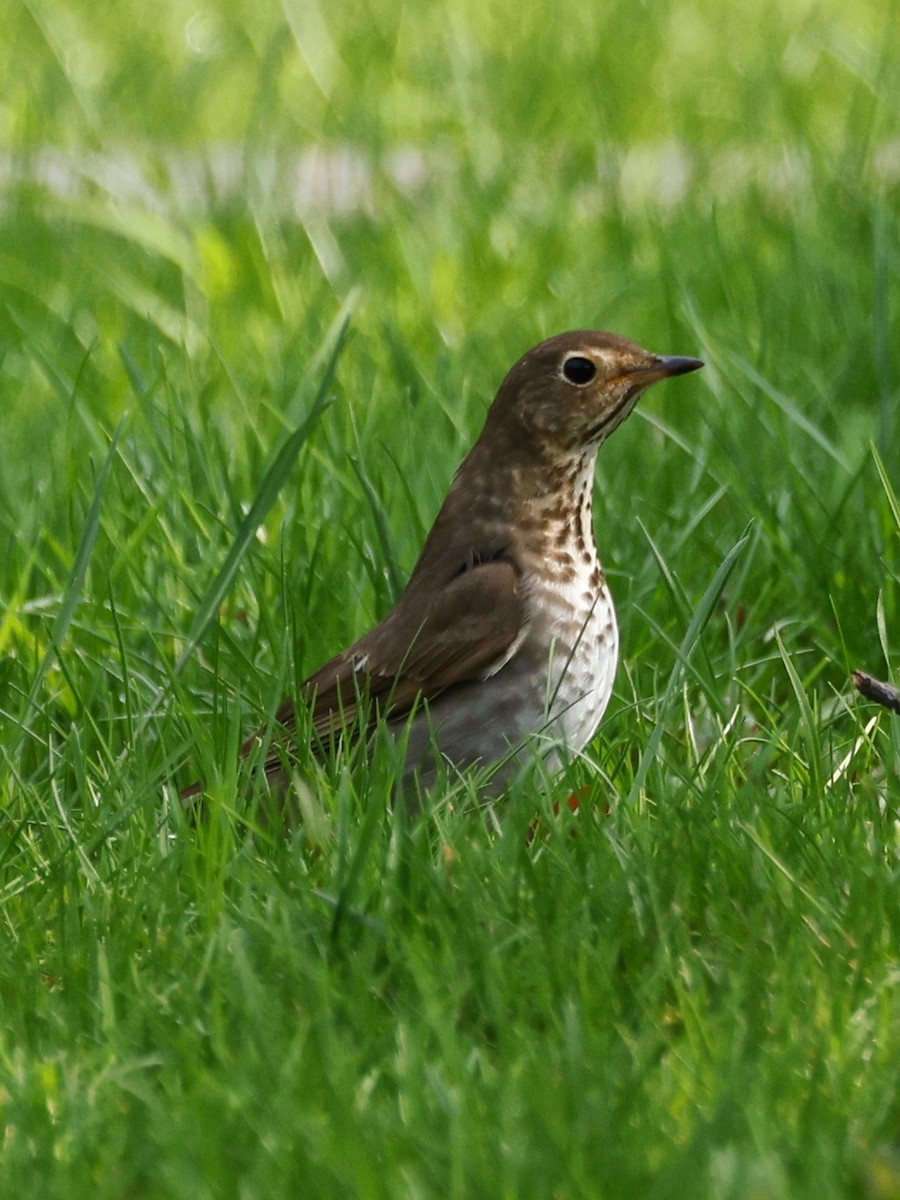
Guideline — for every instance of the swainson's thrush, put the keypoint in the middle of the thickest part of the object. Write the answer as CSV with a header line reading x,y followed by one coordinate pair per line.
x,y
506,632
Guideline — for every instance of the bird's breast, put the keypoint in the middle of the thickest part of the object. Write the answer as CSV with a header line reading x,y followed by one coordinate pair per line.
x,y
573,633
547,698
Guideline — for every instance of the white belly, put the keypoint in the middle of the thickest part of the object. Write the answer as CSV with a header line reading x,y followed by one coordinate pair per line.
x,y
580,675
547,700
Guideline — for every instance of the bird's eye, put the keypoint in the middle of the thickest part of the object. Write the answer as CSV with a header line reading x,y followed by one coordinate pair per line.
x,y
579,370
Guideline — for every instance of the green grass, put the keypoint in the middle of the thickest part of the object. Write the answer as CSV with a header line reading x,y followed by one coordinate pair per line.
x,y
693,994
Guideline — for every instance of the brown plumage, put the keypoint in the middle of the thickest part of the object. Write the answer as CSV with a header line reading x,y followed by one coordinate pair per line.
x,y
506,629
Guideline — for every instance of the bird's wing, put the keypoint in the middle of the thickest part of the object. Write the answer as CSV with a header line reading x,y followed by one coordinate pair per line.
x,y
474,624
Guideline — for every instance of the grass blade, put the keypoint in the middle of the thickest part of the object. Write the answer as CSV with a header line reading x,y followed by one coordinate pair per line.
x,y
75,585
271,485
688,644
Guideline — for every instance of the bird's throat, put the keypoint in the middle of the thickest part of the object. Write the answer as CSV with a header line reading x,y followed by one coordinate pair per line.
x,y
559,513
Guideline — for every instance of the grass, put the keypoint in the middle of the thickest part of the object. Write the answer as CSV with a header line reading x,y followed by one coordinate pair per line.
x,y
237,377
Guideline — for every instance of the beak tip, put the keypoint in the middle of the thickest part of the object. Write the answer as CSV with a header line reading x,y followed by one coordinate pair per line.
x,y
678,365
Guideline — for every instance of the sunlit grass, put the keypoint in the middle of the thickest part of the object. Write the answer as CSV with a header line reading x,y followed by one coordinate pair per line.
x,y
689,989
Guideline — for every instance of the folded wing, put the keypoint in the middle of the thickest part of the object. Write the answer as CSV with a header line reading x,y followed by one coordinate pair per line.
x,y
464,632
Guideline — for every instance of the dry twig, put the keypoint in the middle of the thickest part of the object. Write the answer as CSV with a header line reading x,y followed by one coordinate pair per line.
x,y
874,689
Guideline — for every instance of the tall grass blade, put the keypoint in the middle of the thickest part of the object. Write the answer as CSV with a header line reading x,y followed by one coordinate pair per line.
x,y
699,621
271,485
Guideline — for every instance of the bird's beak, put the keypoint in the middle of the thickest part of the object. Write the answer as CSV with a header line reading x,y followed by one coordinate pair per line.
x,y
661,367
675,365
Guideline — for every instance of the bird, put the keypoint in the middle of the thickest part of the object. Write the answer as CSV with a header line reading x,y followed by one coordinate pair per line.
x,y
504,643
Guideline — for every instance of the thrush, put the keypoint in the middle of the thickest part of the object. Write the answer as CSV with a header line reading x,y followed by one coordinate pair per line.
x,y
504,643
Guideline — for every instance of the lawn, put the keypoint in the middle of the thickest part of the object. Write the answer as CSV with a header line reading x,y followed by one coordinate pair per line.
x,y
262,268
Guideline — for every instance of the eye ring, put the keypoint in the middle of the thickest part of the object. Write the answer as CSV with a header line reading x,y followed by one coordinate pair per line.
x,y
578,370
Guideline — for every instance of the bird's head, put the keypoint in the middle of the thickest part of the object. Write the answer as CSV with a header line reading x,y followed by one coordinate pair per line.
x,y
569,393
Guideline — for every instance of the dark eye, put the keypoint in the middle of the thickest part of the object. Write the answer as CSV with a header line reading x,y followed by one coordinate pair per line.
x,y
579,370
